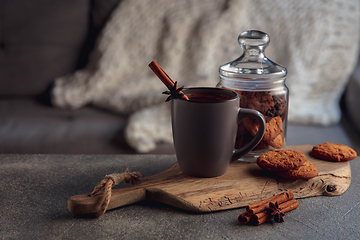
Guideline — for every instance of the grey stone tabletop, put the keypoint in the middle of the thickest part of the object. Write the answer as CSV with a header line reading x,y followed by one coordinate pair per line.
x,y
34,190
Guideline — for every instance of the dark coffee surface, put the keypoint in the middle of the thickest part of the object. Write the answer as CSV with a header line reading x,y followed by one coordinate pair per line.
x,y
208,97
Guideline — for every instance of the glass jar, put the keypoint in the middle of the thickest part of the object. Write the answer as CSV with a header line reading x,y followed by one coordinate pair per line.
x,y
261,85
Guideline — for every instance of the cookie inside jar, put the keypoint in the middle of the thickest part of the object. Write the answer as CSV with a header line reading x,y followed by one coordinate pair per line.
x,y
273,106
261,86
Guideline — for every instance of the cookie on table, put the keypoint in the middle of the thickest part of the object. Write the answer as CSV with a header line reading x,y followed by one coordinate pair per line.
x,y
281,160
333,152
306,171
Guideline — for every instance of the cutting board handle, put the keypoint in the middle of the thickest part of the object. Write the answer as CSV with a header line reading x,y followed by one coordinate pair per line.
x,y
85,204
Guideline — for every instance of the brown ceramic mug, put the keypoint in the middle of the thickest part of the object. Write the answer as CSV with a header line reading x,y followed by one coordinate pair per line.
x,y
204,130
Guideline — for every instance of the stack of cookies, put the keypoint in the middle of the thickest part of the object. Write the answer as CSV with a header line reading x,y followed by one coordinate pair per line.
x,y
288,164
293,164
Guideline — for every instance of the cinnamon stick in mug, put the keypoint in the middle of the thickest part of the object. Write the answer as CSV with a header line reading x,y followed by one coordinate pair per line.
x,y
164,77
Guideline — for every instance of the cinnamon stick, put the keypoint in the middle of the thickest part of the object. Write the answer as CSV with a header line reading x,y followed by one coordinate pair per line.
x,y
289,205
262,205
164,77
244,218
259,215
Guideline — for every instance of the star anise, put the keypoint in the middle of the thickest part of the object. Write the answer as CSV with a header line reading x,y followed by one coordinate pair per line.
x,y
276,212
174,92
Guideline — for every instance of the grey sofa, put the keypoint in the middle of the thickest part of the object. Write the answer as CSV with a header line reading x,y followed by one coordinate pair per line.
x,y
42,40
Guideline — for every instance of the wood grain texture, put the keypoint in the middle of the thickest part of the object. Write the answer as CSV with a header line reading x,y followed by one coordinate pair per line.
x,y
243,184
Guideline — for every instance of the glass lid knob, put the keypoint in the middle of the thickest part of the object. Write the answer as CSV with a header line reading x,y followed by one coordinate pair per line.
x,y
253,64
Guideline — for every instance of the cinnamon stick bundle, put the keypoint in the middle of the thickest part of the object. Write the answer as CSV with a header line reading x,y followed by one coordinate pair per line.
x,y
257,213
262,205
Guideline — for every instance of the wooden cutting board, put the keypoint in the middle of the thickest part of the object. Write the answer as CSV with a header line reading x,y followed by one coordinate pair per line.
x,y
244,183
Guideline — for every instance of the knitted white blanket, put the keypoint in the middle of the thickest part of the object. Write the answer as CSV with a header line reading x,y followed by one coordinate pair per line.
x,y
317,41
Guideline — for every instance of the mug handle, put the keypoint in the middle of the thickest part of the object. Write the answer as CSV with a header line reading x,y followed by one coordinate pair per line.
x,y
243,113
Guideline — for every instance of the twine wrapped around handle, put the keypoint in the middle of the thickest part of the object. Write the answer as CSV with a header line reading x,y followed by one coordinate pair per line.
x,y
111,180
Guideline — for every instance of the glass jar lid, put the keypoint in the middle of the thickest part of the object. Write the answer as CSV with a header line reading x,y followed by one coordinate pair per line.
x,y
253,64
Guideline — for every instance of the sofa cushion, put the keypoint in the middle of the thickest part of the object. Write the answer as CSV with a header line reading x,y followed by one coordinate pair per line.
x,y
29,127
40,40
